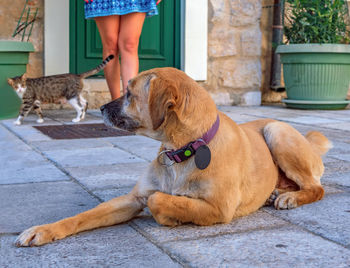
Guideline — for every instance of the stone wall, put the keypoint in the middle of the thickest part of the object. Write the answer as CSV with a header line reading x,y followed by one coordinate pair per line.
x,y
10,12
234,52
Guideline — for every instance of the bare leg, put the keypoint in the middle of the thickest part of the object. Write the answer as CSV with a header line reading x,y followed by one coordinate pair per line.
x,y
108,28
129,35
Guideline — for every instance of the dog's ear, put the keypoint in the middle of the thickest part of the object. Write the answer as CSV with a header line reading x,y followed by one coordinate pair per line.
x,y
162,99
10,81
24,77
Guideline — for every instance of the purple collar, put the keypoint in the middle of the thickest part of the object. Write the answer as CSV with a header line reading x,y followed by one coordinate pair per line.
x,y
190,149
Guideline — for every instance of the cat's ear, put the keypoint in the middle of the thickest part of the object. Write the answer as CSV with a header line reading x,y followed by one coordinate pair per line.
x,y
24,77
10,81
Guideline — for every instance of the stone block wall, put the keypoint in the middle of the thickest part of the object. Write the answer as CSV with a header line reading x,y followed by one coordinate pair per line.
x,y
234,52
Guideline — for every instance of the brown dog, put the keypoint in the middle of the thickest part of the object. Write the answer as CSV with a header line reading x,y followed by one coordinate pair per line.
x,y
233,172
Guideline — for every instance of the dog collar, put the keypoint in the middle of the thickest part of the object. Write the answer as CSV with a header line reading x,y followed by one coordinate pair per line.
x,y
184,153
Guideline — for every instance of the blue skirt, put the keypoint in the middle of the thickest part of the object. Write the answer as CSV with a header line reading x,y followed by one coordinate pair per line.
x,y
99,8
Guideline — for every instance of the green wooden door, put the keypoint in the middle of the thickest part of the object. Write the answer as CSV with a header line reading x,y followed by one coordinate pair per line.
x,y
159,42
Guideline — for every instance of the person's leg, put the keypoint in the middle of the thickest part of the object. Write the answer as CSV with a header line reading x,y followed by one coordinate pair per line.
x,y
108,28
129,35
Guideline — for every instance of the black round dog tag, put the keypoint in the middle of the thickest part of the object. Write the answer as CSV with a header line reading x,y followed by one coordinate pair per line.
x,y
202,157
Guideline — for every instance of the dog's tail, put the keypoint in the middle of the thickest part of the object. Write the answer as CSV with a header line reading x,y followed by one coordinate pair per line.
x,y
319,143
98,68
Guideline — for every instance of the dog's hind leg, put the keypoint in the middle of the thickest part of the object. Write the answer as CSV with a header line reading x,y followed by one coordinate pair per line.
x,y
299,158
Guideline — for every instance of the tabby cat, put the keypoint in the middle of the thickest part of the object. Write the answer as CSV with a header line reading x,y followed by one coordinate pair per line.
x,y
49,89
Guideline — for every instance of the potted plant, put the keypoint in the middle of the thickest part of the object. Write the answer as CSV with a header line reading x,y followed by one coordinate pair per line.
x,y
316,60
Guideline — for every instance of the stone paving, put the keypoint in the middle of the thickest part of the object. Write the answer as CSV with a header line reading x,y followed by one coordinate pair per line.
x,y
43,180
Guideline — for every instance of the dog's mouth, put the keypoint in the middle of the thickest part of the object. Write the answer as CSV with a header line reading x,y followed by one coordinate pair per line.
x,y
119,122
113,117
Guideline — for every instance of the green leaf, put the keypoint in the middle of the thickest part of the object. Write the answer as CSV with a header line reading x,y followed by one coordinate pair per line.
x,y
316,21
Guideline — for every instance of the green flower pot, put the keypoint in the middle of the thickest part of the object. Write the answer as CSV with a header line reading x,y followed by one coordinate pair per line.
x,y
316,76
13,61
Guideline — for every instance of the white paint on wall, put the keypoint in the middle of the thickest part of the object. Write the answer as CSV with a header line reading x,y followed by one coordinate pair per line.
x,y
196,39
56,37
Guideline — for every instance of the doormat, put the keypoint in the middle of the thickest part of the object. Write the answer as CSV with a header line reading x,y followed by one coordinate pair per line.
x,y
81,131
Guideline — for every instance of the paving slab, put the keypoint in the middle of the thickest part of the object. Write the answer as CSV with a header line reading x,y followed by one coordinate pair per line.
x,y
275,112
332,134
328,218
91,156
27,172
339,125
109,194
30,120
332,190
337,172
20,164
278,247
26,131
329,160
73,144
239,118
66,116
116,246
161,234
309,120
342,115
10,142
344,157
25,205
141,146
339,148
111,176
341,179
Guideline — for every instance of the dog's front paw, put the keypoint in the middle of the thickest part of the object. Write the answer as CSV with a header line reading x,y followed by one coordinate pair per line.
x,y
286,201
40,120
76,120
166,221
17,122
156,204
35,236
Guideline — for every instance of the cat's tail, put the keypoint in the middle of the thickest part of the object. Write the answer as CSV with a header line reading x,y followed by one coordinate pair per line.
x,y
98,68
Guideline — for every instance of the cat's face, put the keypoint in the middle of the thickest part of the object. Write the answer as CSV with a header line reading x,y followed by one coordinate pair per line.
x,y
18,83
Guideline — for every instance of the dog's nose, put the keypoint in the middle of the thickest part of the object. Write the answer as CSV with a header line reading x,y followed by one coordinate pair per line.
x,y
102,108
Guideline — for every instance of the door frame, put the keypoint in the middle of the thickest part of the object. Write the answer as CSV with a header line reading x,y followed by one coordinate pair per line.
x,y
193,37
